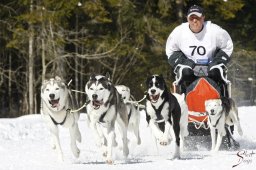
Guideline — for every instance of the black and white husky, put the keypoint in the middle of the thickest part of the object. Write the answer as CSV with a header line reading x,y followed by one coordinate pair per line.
x,y
132,110
163,112
56,104
220,112
105,109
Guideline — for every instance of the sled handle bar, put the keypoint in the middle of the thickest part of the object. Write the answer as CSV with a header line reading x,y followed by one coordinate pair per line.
x,y
221,67
176,82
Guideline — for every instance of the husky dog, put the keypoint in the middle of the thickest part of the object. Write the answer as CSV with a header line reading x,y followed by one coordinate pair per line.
x,y
162,112
56,105
220,112
133,112
106,108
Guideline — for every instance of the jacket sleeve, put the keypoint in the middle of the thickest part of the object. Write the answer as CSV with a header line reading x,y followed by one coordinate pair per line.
x,y
224,47
173,52
219,57
178,57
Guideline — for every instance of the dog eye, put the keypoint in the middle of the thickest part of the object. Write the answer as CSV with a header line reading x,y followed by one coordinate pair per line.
x,y
57,88
101,88
157,84
46,89
91,88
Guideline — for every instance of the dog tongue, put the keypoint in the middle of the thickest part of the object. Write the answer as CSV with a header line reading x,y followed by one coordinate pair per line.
x,y
55,103
155,97
96,103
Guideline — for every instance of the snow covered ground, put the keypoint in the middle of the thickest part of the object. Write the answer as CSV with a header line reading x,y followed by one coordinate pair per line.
x,y
24,145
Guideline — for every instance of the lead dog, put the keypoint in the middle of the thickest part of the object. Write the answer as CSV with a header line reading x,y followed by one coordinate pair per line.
x,y
133,112
220,112
56,103
105,109
162,112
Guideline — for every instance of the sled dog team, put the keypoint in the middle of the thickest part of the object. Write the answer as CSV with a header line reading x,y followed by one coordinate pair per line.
x,y
110,111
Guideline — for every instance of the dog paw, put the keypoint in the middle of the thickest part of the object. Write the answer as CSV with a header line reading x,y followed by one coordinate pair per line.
x,y
98,143
125,151
176,155
164,141
109,161
77,153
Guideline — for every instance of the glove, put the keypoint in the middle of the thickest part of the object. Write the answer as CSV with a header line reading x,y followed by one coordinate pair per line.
x,y
219,57
179,58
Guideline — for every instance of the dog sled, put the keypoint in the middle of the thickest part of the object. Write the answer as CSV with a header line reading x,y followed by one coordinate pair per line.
x,y
197,93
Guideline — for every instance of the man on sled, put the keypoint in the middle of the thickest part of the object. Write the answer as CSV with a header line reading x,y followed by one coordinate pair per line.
x,y
198,52
198,42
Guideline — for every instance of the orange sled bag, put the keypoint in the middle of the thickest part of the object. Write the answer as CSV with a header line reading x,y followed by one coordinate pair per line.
x,y
198,92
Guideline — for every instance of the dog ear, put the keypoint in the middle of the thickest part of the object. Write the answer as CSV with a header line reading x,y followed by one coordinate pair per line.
x,y
220,102
107,76
92,76
57,78
147,80
128,89
44,82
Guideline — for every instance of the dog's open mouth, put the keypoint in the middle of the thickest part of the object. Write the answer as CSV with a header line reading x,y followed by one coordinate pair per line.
x,y
96,104
54,103
154,98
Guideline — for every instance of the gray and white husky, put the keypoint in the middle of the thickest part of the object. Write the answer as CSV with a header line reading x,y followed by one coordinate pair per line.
x,y
220,112
132,110
105,110
56,104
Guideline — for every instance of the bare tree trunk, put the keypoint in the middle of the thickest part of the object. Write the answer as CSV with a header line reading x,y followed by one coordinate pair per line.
x,y
43,60
179,7
76,61
24,103
82,97
58,51
31,66
10,83
43,32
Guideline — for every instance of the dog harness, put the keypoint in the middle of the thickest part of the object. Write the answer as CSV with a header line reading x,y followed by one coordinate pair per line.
x,y
216,121
159,118
111,102
102,117
64,120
